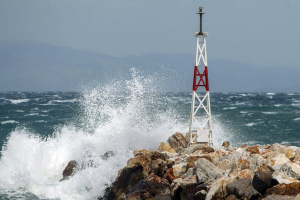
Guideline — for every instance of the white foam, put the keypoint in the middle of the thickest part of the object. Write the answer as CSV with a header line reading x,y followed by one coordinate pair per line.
x,y
270,93
9,122
243,112
114,118
250,124
67,101
111,121
297,119
17,101
229,108
269,113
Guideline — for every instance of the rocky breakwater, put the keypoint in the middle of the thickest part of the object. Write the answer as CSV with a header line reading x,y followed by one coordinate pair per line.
x,y
176,171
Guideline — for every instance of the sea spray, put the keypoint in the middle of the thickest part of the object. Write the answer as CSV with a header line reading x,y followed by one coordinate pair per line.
x,y
117,117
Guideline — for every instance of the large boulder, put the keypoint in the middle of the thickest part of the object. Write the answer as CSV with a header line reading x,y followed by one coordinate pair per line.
x,y
149,188
137,169
242,188
291,170
205,170
291,189
166,147
177,141
200,148
179,170
283,178
278,161
152,154
257,163
158,167
225,164
70,170
262,181
253,150
191,160
218,188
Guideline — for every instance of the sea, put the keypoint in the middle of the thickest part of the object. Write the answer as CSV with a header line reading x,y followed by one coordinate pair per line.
x,y
40,132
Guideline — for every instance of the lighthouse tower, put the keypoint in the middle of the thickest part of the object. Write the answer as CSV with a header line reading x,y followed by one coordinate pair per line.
x,y
200,130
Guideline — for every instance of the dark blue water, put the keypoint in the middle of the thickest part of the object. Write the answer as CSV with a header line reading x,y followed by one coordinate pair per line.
x,y
41,132
247,117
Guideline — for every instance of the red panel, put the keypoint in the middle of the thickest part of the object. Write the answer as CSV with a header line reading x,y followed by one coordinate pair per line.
x,y
200,79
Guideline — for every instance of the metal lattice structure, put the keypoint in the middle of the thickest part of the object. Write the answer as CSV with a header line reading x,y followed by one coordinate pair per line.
x,y
200,129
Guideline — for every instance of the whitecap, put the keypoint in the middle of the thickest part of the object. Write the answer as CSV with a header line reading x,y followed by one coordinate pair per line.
x,y
250,124
17,101
278,105
243,112
31,114
9,122
67,101
229,108
269,113
297,119
271,93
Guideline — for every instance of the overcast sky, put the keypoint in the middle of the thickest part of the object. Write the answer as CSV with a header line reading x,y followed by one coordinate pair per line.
x,y
258,32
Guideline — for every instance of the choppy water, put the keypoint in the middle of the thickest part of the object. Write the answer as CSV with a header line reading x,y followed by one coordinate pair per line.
x,y
42,132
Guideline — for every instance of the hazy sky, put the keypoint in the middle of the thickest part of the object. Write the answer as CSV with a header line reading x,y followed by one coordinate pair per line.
x,y
258,32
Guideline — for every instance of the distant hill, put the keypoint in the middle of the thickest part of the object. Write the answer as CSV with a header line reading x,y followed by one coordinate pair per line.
x,y
34,66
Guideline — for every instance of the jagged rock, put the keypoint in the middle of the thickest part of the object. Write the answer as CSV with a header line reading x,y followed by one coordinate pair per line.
x,y
205,170
253,150
246,173
288,152
70,170
225,164
158,167
236,155
283,178
170,162
107,155
243,164
130,175
198,192
231,197
177,141
226,144
166,147
151,154
278,161
291,189
109,194
242,188
148,188
179,169
257,163
169,175
297,155
279,197
291,170
191,160
262,181
193,148
218,188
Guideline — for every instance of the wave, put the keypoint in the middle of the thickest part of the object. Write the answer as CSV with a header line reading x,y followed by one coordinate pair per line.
x,y
67,101
119,117
269,113
229,108
17,101
9,122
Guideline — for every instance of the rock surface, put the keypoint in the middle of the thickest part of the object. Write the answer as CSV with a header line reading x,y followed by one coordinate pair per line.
x,y
176,171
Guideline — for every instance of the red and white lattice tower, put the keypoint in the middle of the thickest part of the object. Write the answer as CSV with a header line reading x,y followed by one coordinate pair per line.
x,y
200,130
